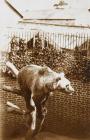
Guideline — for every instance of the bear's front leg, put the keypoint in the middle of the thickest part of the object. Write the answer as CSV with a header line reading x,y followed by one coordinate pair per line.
x,y
31,109
33,114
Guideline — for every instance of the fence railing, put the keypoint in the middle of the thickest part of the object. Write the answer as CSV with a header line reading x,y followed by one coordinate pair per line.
x,y
60,41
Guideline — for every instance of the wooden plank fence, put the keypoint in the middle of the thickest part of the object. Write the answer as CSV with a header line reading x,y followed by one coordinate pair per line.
x,y
60,41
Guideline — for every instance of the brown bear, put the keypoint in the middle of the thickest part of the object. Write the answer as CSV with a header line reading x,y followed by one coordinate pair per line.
x,y
39,81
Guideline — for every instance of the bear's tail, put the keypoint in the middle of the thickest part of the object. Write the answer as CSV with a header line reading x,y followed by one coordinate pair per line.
x,y
12,68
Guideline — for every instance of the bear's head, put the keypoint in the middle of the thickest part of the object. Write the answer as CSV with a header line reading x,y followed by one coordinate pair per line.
x,y
64,83
55,81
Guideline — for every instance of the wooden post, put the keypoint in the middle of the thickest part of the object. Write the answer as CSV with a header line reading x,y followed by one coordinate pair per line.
x,y
88,47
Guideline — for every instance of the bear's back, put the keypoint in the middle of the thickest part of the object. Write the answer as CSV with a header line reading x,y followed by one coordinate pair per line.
x,y
27,77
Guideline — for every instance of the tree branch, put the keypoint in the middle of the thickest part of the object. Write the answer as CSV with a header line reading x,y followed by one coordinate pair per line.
x,y
13,90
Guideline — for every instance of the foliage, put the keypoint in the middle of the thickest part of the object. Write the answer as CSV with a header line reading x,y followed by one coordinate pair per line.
x,y
71,62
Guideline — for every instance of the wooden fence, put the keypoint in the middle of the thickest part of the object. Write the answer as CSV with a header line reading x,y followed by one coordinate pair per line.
x,y
60,41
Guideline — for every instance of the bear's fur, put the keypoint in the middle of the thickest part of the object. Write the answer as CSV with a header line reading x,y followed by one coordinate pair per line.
x,y
36,84
37,80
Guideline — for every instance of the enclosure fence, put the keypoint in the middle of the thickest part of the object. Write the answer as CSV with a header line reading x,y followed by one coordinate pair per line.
x,y
59,41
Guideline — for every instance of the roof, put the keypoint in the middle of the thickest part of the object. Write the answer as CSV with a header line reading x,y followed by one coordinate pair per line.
x,y
14,7
46,10
49,11
49,14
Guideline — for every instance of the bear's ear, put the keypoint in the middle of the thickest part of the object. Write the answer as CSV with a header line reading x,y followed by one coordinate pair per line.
x,y
43,70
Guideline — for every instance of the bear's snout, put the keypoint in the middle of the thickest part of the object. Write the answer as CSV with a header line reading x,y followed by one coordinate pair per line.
x,y
65,85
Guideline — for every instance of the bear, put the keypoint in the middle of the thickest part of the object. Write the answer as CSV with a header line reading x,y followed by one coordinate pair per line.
x,y
36,83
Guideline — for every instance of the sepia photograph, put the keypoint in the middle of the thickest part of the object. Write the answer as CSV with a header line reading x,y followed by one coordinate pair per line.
x,y
45,70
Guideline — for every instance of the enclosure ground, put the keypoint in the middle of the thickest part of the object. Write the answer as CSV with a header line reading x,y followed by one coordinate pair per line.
x,y
13,126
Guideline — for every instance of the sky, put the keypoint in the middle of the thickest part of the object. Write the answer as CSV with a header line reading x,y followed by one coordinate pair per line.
x,y
42,4
45,4
7,16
